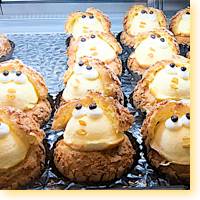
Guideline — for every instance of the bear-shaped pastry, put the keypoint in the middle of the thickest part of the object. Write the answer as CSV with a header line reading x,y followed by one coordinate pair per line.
x,y
90,75
22,153
82,23
166,132
141,19
25,89
180,26
166,80
97,45
94,147
152,47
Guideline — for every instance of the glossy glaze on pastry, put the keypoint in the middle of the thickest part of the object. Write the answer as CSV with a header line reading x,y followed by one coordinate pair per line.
x,y
25,89
141,19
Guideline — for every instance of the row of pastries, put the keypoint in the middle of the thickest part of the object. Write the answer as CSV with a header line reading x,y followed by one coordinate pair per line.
x,y
94,147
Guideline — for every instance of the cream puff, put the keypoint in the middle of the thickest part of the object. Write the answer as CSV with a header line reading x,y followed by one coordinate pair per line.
x,y
25,89
152,47
94,147
82,23
22,153
141,19
166,80
166,132
180,26
90,75
6,48
101,46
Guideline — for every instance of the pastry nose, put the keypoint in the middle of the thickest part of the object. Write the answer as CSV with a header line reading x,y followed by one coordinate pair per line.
x,y
174,83
152,49
93,49
82,123
11,91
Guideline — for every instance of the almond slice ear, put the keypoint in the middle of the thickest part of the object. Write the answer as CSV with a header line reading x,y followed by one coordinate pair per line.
x,y
63,115
71,20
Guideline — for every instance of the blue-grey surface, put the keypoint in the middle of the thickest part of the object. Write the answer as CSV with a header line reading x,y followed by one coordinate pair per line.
x,y
46,54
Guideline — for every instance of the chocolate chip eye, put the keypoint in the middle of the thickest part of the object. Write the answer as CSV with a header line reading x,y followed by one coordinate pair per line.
x,y
151,12
188,115
172,65
83,16
153,36
83,39
81,63
183,69
5,73
78,106
91,16
174,118
187,13
88,67
18,73
92,36
143,11
92,106
162,39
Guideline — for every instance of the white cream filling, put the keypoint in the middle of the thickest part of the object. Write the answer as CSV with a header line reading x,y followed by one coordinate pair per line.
x,y
170,85
149,51
83,26
91,130
170,143
12,149
18,92
143,23
78,86
184,25
95,48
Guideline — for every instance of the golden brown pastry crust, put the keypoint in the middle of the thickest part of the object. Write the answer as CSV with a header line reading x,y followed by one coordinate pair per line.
x,y
5,46
32,165
175,172
119,116
106,24
26,171
42,111
94,166
114,64
126,37
110,81
132,63
181,38
142,98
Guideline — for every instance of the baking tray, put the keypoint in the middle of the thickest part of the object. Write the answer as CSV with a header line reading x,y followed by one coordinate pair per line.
x,y
46,54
